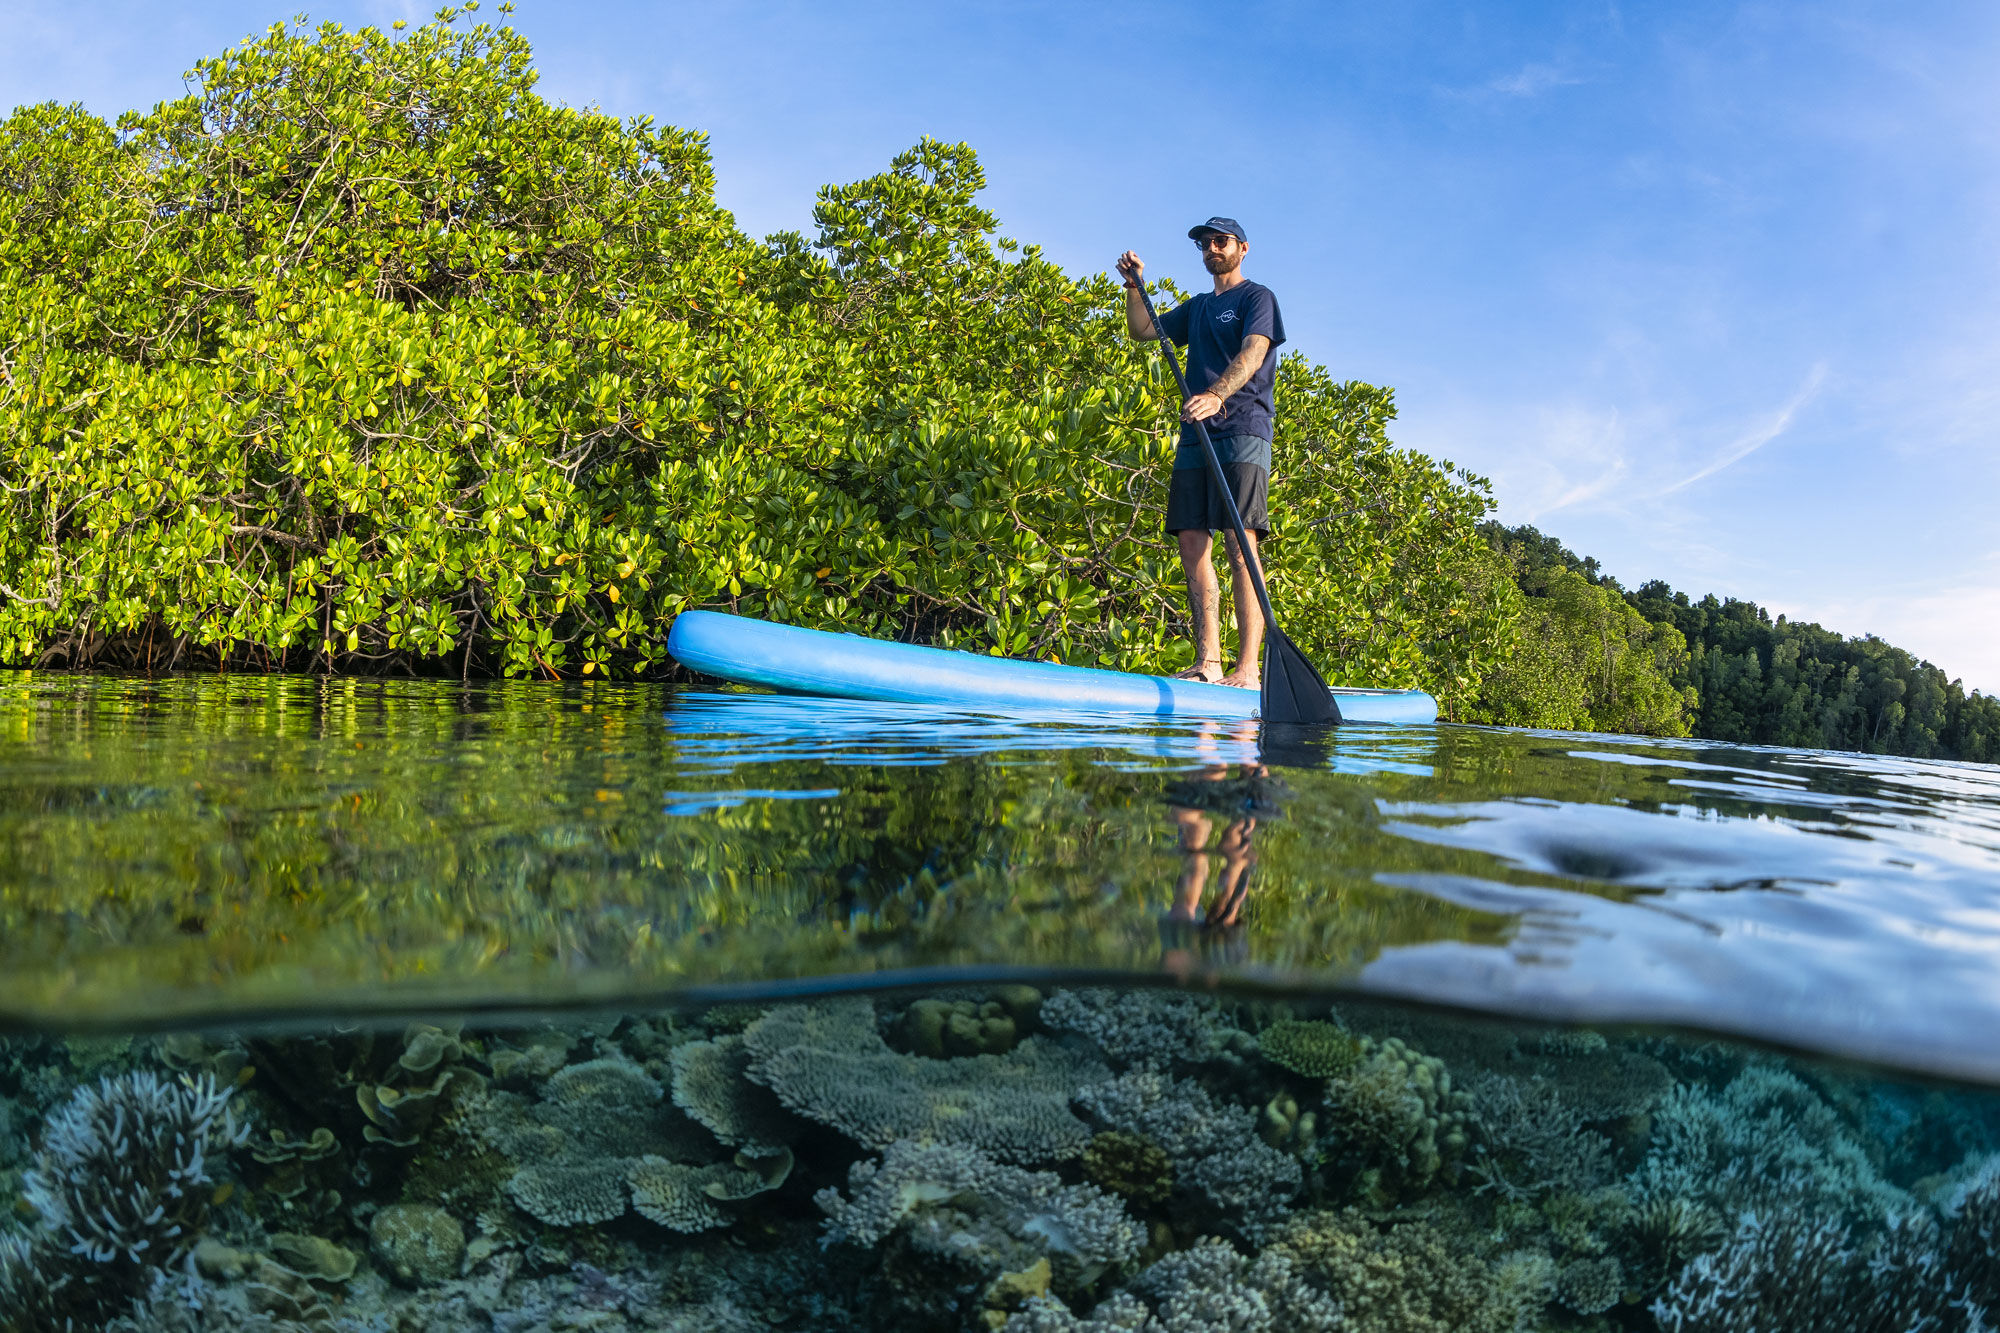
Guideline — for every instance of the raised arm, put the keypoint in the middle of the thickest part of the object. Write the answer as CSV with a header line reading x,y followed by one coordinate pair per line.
x,y
1133,270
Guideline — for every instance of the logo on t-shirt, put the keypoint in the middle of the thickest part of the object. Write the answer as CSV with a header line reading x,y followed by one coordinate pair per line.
x,y
1226,317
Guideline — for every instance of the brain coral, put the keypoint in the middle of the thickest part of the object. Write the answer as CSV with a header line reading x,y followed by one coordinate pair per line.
x,y
830,1064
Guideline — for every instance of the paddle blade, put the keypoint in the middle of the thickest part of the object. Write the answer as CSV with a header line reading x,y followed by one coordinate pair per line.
x,y
1293,690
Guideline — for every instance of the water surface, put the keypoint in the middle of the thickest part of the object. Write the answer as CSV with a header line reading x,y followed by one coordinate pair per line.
x,y
223,847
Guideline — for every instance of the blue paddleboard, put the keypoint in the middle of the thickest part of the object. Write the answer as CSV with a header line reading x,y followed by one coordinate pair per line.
x,y
846,666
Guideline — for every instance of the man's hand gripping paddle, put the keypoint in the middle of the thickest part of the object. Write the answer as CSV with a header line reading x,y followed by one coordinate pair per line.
x,y
1293,689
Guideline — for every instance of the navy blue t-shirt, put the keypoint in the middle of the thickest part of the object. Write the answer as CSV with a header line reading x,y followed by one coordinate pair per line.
x,y
1212,328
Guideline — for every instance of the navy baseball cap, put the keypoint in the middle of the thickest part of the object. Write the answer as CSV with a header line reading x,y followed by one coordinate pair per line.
x,y
1229,226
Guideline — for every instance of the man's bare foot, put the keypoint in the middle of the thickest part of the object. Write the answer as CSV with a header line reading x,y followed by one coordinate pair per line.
x,y
1243,678
1208,673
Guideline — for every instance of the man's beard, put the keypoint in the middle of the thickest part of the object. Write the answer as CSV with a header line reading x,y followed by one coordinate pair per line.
x,y
1219,264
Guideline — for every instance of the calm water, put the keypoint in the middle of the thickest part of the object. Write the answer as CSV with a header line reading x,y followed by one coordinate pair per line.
x,y
349,1006
205,847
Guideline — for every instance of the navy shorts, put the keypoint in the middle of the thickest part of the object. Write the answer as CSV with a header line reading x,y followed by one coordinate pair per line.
x,y
1194,502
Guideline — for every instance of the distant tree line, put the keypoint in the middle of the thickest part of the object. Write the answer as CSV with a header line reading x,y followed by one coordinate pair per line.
x,y
1746,676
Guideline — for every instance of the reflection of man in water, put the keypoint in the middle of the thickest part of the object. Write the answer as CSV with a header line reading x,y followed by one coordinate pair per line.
x,y
1191,935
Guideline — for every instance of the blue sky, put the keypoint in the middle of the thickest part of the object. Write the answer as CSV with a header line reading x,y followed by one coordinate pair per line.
x,y
1710,291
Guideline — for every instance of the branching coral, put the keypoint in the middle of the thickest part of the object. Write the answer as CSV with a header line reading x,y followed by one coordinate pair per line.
x,y
1412,1278
1144,1029
952,1202
1765,1138
121,1188
1206,1287
1531,1140
1220,1164
829,1064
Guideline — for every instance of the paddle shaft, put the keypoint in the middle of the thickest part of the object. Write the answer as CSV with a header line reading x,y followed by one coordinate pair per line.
x,y
1252,559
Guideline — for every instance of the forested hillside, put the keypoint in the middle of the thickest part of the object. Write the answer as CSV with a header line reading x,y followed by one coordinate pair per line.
x,y
1750,677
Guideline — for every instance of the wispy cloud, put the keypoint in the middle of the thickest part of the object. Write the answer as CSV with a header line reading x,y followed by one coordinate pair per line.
x,y
1532,80
1760,435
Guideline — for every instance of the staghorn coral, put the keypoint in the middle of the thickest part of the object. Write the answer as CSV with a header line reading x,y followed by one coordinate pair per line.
x,y
1782,1273
711,1083
1398,1117
1144,1029
830,1064
1220,1164
952,1202
1606,1085
1314,1048
1766,1137
1531,1140
121,1188
1412,1278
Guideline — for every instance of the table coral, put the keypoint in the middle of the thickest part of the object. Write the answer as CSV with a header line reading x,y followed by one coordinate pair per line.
x,y
830,1064
1142,1028
1312,1047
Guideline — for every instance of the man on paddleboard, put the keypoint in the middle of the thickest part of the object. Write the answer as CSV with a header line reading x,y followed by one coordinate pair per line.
x,y
1229,334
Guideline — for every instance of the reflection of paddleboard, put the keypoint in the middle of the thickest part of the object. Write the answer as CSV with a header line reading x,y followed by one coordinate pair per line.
x,y
846,666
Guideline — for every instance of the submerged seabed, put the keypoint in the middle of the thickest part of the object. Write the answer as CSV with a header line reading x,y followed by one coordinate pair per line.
x,y
1075,1161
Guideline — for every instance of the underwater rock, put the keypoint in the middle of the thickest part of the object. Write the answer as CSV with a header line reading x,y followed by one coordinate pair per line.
x,y
1232,1177
313,1256
1145,1029
1398,1110
1311,1047
416,1243
952,1202
711,1083
830,1064
121,1189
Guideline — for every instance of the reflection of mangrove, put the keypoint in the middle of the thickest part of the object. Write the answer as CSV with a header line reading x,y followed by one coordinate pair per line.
x,y
987,1158
238,840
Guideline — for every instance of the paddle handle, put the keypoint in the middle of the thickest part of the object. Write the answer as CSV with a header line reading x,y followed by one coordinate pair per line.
x,y
1251,558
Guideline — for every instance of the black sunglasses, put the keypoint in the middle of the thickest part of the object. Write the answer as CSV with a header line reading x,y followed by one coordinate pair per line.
x,y
1220,239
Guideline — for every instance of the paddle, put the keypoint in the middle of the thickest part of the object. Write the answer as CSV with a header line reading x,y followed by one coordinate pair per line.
x,y
1293,689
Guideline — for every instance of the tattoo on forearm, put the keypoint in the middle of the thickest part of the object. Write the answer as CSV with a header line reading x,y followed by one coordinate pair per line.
x,y
1243,367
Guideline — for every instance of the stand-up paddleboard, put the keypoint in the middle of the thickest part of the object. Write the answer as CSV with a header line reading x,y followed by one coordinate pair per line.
x,y
846,666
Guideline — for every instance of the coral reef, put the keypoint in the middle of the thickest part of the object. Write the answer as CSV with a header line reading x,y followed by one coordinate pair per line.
x,y
1130,1166
1145,1029
416,1243
1015,1232
1204,1287
1233,1178
711,1083
1311,1047
828,1063
1397,1114
1765,1140
1413,1277
120,1189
